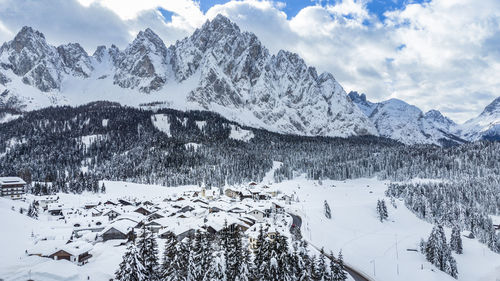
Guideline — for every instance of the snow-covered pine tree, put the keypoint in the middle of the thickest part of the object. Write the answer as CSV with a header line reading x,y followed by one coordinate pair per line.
x,y
284,258
456,240
314,270
438,252
199,256
264,270
148,255
328,212
231,246
452,267
422,246
33,210
294,262
246,269
382,210
169,254
217,271
259,253
322,268
130,268
274,268
179,264
341,274
304,262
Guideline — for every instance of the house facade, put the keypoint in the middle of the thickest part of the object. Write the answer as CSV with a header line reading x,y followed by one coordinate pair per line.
x,y
76,252
12,187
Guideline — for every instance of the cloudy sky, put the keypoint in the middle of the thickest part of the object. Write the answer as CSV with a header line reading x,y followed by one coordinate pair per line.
x,y
442,54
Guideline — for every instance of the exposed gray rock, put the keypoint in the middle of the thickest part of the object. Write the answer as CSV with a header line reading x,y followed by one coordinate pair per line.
x,y
143,64
75,59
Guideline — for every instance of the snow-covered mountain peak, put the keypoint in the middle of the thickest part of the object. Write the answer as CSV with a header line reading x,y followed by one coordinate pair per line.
x,y
27,33
28,55
360,100
406,123
143,64
218,68
26,49
148,39
492,108
220,25
484,126
440,121
75,59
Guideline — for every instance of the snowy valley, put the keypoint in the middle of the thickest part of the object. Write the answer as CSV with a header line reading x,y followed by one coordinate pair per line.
x,y
213,159
382,250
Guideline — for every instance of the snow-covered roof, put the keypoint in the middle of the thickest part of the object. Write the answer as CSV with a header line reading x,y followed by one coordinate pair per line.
x,y
77,248
133,216
55,206
45,247
218,220
11,180
110,211
124,226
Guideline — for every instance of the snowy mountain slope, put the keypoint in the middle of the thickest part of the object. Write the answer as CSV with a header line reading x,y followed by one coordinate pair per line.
x,y
485,126
370,245
219,68
366,106
406,123
439,121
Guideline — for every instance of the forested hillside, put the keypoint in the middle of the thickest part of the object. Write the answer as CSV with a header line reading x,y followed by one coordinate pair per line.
x,y
173,148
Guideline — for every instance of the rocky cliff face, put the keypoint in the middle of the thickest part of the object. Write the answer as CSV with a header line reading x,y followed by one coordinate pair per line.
x,y
29,56
144,63
280,90
218,68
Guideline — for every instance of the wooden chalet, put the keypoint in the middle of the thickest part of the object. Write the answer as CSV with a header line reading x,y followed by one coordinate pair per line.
x,y
143,211
77,252
122,229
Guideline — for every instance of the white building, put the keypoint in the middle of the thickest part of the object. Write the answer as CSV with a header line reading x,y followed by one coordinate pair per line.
x,y
44,201
258,214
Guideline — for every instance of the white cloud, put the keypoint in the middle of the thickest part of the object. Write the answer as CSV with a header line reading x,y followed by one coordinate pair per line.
x,y
443,54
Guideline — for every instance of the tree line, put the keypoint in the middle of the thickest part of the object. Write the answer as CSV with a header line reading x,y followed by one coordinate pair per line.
x,y
225,256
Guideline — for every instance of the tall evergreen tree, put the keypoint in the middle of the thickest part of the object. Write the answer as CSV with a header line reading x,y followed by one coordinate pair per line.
x,y
148,255
323,274
456,240
382,210
169,255
130,268
328,212
340,274
33,210
438,252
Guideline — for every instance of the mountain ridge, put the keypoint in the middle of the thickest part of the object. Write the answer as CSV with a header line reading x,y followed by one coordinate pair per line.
x,y
218,68
222,69
406,123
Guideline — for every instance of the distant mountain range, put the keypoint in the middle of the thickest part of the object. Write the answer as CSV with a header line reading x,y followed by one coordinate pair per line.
x,y
218,68
406,123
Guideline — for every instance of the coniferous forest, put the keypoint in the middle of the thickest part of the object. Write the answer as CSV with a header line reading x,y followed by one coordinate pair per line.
x,y
226,256
51,145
